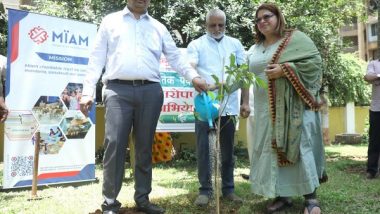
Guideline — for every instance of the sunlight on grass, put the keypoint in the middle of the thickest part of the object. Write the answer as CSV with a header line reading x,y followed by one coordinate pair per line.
x,y
175,187
349,150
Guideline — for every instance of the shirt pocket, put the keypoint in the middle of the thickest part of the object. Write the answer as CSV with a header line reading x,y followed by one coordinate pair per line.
x,y
113,40
153,43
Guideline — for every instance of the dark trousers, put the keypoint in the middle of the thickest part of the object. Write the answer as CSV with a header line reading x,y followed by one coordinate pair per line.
x,y
130,106
374,142
227,134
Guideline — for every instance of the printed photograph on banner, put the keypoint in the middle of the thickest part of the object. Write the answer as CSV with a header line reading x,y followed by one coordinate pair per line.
x,y
52,140
75,125
20,125
49,110
71,95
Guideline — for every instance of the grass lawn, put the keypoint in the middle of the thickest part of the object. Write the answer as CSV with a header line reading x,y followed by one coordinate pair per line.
x,y
175,187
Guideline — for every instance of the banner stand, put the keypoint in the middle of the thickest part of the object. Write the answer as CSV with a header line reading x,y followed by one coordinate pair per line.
x,y
35,166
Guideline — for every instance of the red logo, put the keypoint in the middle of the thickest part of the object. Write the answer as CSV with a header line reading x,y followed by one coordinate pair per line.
x,y
38,35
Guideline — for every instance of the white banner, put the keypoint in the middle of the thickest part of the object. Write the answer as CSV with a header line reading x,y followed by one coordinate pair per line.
x,y
177,113
47,59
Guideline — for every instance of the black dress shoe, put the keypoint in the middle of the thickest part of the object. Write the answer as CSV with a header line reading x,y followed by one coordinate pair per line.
x,y
111,208
110,212
245,176
150,208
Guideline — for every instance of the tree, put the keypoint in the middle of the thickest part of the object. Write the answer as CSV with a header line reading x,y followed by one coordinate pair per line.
x,y
3,31
359,92
321,20
185,19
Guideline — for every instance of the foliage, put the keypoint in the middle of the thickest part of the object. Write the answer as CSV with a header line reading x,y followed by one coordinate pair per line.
x,y
350,85
175,188
99,154
320,20
365,135
186,155
3,31
186,20
239,76
78,9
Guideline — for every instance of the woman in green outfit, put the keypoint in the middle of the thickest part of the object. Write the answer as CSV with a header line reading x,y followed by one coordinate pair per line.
x,y
288,153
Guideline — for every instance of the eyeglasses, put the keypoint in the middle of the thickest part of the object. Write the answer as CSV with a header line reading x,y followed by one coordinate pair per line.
x,y
214,25
266,17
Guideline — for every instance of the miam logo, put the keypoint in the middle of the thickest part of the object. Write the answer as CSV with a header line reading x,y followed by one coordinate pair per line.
x,y
38,35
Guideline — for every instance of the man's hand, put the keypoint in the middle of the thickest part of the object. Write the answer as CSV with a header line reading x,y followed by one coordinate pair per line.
x,y
370,78
85,104
199,84
245,110
3,110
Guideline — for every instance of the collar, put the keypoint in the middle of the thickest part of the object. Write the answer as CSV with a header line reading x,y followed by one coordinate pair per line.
x,y
218,40
127,12
212,39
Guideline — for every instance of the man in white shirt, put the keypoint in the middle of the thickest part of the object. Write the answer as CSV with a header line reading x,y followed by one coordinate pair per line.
x,y
3,106
129,45
373,77
209,54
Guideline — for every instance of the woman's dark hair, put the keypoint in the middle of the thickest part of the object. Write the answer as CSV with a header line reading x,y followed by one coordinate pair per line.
x,y
280,28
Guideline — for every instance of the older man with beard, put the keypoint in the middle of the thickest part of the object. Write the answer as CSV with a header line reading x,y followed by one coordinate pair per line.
x,y
208,55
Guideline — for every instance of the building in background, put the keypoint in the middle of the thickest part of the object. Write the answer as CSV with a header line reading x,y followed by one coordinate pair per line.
x,y
361,37
15,4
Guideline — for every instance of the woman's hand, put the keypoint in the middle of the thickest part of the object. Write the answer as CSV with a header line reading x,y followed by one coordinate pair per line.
x,y
245,110
274,71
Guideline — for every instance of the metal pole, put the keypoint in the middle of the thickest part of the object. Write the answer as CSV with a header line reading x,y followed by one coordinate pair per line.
x,y
35,164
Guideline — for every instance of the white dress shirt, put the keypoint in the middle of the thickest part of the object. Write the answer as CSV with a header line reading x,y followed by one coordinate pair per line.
x,y
374,68
131,49
210,57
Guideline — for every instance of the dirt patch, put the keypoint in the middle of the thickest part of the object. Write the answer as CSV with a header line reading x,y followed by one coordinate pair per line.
x,y
357,169
123,210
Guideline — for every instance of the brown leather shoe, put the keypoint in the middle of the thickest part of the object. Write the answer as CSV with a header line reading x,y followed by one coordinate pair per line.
x,y
279,204
233,198
202,200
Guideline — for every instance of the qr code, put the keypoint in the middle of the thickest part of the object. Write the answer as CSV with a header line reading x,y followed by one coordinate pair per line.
x,y
21,166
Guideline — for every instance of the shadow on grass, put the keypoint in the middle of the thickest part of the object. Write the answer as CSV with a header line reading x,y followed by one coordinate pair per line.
x,y
347,164
48,186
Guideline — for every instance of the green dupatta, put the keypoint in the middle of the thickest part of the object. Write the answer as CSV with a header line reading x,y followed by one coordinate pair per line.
x,y
290,95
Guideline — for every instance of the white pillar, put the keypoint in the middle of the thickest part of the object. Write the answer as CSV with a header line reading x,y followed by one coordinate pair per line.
x,y
350,118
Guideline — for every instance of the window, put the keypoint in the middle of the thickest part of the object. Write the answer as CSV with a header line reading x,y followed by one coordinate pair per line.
x,y
374,29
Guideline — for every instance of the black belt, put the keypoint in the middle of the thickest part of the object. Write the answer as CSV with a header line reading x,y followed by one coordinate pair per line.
x,y
131,82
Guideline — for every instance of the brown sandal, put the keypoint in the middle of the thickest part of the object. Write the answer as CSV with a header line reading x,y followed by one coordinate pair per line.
x,y
279,204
